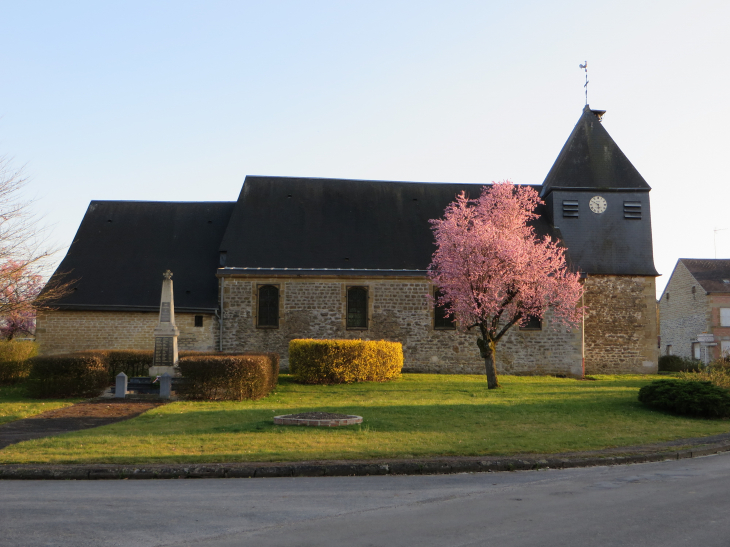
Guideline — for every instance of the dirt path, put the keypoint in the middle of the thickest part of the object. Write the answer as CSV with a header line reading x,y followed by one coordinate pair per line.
x,y
92,413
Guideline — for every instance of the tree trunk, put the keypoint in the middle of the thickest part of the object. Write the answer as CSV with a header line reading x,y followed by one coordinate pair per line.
x,y
488,349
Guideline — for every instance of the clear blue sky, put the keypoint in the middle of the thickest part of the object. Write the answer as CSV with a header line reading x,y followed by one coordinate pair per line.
x,y
181,100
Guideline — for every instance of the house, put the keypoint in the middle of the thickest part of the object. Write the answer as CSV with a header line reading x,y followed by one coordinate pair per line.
x,y
332,258
696,300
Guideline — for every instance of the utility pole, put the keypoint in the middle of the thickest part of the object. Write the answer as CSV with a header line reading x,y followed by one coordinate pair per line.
x,y
714,238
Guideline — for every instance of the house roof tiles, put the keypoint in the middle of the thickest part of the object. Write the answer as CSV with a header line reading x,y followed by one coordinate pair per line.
x,y
713,275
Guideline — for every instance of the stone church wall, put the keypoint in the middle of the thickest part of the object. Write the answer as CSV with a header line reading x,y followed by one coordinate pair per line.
x,y
620,325
400,311
65,331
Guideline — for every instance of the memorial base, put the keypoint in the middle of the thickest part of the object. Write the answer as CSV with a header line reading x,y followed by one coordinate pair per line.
x,y
159,371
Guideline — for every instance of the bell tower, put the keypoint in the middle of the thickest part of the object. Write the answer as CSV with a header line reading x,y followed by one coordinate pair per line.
x,y
598,205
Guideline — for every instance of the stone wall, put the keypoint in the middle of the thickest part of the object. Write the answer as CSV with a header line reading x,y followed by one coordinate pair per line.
x,y
683,312
399,310
620,325
64,331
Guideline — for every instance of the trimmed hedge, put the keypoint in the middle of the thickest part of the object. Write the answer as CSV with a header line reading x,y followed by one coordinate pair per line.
x,y
132,362
61,376
15,360
675,363
344,361
216,377
687,398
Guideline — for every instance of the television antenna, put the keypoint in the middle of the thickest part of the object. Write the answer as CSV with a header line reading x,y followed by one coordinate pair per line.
x,y
584,66
714,237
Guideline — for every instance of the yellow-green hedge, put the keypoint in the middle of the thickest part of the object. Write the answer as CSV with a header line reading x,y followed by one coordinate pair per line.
x,y
15,358
344,361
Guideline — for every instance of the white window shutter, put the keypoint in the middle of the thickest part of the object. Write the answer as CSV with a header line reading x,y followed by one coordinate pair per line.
x,y
725,317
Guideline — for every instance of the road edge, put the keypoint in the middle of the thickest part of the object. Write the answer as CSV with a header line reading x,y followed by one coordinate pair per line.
x,y
340,468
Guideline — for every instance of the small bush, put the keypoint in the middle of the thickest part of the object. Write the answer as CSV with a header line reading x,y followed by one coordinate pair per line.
x,y
687,398
15,360
228,377
717,373
344,361
675,363
72,375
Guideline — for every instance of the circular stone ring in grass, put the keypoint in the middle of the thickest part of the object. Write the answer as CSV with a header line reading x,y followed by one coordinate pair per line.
x,y
322,419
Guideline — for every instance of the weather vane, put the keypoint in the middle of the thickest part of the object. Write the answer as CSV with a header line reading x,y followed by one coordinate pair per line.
x,y
584,66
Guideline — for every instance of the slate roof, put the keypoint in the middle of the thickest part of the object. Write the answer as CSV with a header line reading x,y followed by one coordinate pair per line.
x,y
591,159
122,248
709,273
326,224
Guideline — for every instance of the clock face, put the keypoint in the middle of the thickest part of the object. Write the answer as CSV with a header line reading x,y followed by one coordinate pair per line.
x,y
597,204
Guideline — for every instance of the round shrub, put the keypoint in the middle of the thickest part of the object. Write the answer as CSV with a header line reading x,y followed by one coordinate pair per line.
x,y
344,361
72,375
687,398
15,358
228,377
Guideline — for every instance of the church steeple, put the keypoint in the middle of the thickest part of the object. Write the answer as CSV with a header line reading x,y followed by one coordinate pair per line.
x,y
590,159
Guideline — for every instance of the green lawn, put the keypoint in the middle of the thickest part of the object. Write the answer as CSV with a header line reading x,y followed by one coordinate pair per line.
x,y
14,405
418,415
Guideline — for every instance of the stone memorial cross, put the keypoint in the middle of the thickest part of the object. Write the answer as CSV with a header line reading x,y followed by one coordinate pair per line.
x,y
166,333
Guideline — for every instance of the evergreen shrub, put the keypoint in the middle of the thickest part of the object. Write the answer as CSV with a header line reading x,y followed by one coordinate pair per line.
x,y
344,361
71,375
228,377
687,398
15,358
675,363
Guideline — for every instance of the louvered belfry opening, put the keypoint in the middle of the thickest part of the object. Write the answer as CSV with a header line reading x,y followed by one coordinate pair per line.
x,y
632,209
570,208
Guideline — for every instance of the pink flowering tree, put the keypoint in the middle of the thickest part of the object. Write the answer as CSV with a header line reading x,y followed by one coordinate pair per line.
x,y
19,290
493,271
24,258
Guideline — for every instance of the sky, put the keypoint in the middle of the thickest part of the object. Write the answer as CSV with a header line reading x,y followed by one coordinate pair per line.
x,y
180,100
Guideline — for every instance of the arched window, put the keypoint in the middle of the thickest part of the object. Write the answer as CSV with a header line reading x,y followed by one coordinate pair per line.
x,y
268,315
357,308
533,323
440,321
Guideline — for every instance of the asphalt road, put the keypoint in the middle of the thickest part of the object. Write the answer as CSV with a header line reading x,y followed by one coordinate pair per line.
x,y
685,502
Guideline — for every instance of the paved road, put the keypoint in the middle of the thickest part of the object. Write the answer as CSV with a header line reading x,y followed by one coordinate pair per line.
x,y
675,503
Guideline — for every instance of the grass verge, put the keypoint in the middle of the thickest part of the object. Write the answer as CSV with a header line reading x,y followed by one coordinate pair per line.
x,y
14,405
418,415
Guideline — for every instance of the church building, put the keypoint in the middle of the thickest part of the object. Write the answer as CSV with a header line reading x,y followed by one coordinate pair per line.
x,y
331,258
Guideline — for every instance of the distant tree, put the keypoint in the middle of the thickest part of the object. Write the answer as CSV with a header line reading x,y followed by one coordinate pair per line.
x,y
24,258
19,290
494,272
